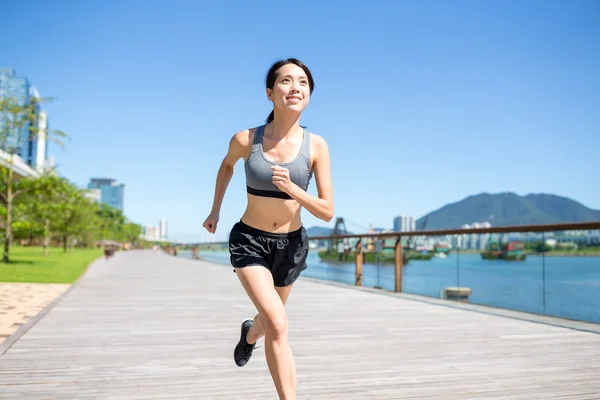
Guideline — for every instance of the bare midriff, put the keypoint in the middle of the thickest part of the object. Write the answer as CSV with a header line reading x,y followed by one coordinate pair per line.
x,y
272,214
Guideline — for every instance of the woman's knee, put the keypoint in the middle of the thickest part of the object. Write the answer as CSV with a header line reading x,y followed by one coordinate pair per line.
x,y
276,324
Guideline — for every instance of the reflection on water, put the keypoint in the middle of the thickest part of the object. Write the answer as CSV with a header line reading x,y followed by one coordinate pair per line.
x,y
567,287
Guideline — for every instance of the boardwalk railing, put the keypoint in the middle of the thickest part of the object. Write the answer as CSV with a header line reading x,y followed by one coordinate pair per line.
x,y
551,269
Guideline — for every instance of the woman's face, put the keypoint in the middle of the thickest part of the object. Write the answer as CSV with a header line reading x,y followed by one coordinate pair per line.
x,y
291,90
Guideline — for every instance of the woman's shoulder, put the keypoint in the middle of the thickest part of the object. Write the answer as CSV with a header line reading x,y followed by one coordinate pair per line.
x,y
319,149
244,137
317,142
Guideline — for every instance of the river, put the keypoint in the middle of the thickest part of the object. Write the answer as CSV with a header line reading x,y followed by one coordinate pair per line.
x,y
565,287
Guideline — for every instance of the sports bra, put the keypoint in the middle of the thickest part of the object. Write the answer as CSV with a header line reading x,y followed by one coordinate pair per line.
x,y
259,175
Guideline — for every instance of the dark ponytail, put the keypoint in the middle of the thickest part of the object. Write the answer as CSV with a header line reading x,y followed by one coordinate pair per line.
x,y
272,77
271,117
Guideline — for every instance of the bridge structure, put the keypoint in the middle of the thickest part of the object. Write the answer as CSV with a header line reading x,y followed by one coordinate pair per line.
x,y
20,167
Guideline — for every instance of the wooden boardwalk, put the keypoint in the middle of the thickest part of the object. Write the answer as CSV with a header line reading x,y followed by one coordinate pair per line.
x,y
145,325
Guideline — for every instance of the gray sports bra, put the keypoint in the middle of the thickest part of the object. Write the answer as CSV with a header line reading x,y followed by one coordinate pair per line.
x,y
259,174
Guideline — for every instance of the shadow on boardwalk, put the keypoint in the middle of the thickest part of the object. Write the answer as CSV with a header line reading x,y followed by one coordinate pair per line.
x,y
145,325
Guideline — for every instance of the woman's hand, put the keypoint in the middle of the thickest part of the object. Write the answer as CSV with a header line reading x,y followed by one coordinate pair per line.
x,y
211,222
281,179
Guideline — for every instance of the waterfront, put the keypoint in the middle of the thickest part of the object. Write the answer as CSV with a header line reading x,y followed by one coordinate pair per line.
x,y
565,287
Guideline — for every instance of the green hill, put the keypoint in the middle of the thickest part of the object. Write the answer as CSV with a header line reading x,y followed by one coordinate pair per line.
x,y
504,209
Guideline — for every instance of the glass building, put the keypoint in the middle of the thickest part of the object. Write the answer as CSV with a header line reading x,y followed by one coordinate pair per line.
x,y
111,192
33,150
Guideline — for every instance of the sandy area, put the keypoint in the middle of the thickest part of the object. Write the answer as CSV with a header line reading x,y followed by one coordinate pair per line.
x,y
21,301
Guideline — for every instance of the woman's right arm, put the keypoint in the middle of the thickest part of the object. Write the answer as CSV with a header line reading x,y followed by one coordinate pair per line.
x,y
238,147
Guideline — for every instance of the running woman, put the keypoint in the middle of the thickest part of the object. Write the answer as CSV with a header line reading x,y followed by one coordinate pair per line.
x,y
268,247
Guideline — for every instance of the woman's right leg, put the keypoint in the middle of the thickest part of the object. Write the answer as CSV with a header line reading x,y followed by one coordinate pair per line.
x,y
258,284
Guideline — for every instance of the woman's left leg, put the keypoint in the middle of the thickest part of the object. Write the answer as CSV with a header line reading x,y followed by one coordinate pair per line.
x,y
258,328
289,261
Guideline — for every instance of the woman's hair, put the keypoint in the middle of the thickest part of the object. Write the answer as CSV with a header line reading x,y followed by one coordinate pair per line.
x,y
272,77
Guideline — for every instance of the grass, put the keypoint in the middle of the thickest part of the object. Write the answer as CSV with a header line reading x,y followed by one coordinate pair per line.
x,y
28,264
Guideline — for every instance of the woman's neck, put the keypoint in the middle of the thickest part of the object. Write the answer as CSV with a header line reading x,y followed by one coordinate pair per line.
x,y
284,124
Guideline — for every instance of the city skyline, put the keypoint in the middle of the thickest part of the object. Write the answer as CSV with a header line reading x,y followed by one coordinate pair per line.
x,y
156,232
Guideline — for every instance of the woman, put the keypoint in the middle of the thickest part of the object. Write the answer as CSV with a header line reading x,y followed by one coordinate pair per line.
x,y
269,246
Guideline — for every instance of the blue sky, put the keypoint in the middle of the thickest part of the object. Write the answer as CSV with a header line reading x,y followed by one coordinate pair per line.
x,y
422,103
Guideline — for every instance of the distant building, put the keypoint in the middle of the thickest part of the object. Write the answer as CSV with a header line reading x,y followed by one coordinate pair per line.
x,y
474,240
33,150
162,228
111,192
38,150
404,223
152,233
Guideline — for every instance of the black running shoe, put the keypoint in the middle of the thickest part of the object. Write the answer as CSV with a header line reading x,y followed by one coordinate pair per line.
x,y
243,350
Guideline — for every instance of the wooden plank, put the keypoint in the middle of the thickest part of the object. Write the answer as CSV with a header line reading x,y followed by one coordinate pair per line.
x,y
145,325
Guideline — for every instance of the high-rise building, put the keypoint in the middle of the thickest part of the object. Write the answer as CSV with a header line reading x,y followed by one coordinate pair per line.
x,y
162,228
111,192
36,147
152,233
404,223
33,149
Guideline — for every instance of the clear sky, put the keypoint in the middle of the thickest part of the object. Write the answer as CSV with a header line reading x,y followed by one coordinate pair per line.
x,y
422,102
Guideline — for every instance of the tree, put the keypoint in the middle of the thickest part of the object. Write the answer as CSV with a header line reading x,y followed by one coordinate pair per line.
x,y
132,232
56,207
112,221
42,203
23,227
18,121
72,213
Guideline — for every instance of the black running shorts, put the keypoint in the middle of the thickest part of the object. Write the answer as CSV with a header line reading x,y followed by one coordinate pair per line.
x,y
284,254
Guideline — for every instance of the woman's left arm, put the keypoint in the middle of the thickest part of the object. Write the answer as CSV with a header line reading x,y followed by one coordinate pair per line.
x,y
321,206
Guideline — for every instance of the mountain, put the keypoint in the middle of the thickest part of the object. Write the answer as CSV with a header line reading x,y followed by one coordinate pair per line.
x,y
563,208
504,209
